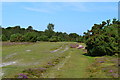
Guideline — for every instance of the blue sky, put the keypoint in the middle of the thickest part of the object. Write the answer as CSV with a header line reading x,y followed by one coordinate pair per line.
x,y
70,17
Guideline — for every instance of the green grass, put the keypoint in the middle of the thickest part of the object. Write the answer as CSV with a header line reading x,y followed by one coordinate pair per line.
x,y
102,70
74,67
73,64
39,54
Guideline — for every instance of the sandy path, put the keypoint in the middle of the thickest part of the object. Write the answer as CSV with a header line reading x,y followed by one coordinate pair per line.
x,y
6,64
66,48
66,59
56,50
1,74
58,67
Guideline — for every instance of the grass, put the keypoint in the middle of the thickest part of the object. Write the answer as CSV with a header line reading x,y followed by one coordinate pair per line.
x,y
39,54
104,67
66,62
75,66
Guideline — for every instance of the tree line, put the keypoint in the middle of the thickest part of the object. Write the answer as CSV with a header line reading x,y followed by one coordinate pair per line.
x,y
102,39
18,34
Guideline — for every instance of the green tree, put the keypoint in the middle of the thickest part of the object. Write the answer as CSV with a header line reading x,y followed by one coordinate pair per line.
x,y
50,30
30,28
74,36
108,22
114,21
50,27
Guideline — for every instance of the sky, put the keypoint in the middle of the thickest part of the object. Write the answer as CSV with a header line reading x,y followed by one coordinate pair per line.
x,y
70,17
60,0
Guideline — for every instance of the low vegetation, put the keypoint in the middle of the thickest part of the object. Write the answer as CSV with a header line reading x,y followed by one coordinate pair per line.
x,y
104,66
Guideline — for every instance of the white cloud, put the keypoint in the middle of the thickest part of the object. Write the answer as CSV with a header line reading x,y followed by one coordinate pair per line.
x,y
77,7
57,7
37,10
44,7
60,0
73,6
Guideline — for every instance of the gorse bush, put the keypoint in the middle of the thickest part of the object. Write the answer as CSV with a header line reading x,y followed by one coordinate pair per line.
x,y
102,39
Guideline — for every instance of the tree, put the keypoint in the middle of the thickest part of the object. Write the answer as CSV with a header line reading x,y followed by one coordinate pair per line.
x,y
49,31
103,24
50,27
16,27
108,22
62,36
114,20
74,36
29,34
30,28
80,39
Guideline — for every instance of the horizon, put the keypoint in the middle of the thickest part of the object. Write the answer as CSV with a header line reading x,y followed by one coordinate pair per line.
x,y
69,17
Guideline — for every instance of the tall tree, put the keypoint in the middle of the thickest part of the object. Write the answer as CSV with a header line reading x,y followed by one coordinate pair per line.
x,y
50,30
50,27
108,22
30,28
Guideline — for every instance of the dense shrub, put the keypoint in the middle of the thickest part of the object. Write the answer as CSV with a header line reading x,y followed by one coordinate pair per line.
x,y
102,40
16,38
54,39
30,37
3,38
42,38
99,46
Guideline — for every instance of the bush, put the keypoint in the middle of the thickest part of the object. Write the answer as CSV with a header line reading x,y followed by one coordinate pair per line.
x,y
30,37
3,38
42,38
101,45
16,38
54,39
103,41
